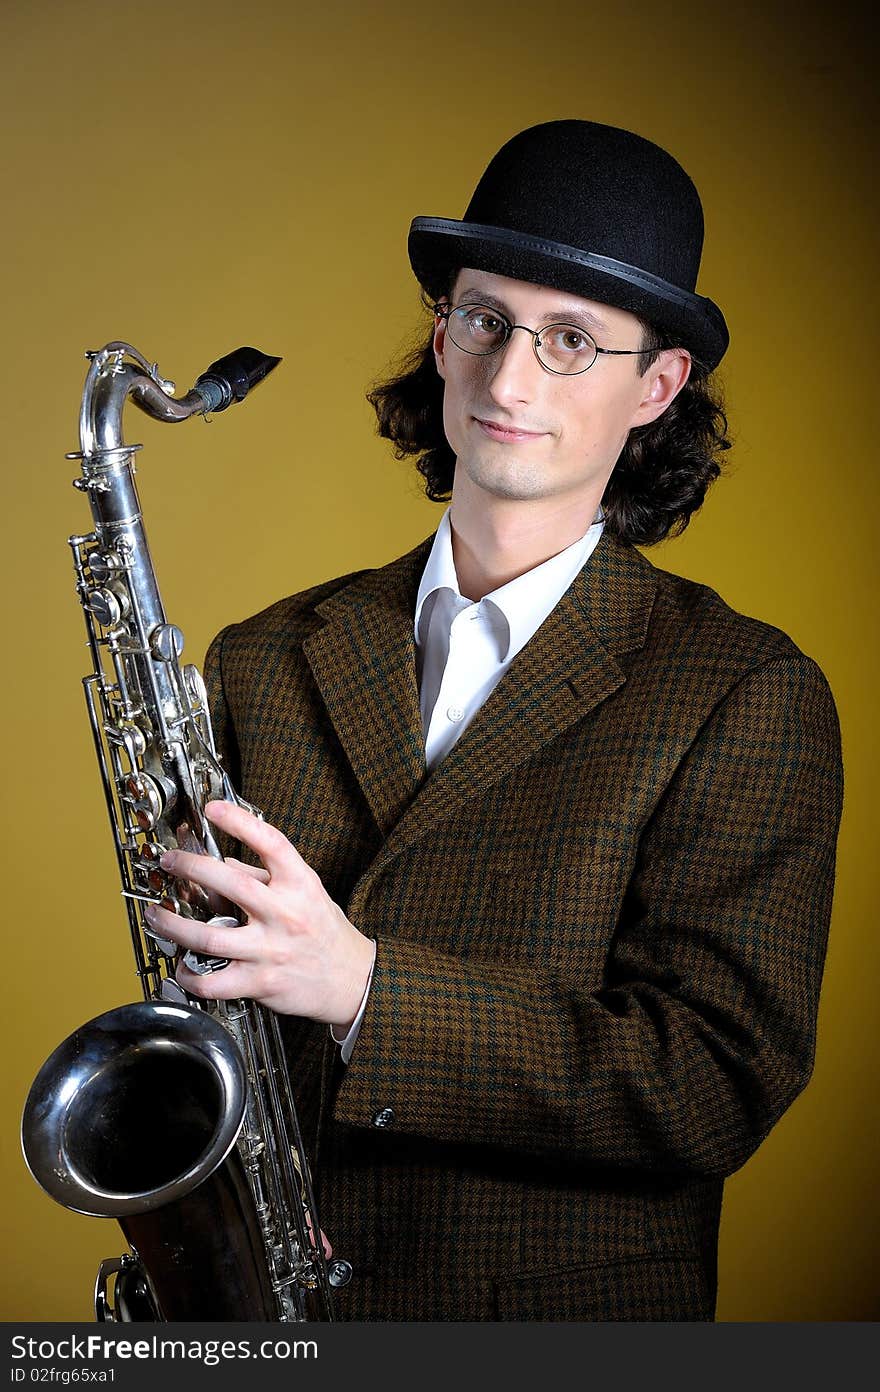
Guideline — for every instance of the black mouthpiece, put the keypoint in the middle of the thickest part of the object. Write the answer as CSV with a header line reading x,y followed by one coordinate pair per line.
x,y
231,378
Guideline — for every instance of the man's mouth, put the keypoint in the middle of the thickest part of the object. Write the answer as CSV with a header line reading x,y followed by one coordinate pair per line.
x,y
506,432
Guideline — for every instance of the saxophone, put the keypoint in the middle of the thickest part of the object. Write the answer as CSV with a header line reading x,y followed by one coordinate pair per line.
x,y
173,1115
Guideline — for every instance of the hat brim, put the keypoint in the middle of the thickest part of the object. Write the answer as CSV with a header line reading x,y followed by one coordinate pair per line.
x,y
438,246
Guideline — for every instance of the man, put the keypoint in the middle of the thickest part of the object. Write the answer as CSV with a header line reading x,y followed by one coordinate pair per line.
x,y
550,833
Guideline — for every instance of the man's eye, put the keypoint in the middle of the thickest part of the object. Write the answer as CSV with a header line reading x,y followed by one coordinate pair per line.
x,y
482,321
570,340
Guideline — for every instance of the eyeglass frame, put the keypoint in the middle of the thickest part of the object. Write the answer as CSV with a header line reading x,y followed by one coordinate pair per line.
x,y
441,313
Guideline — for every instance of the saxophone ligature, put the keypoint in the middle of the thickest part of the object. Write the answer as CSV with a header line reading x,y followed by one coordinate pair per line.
x,y
174,1116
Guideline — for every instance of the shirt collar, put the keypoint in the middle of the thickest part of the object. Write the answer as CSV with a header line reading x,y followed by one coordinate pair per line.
x,y
524,602
439,572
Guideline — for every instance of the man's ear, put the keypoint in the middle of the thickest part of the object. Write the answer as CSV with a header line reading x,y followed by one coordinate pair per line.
x,y
663,381
440,342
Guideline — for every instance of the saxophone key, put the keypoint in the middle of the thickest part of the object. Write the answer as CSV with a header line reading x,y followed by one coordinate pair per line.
x,y
154,879
104,565
166,642
127,735
148,797
174,905
145,862
200,963
170,991
150,853
109,605
165,945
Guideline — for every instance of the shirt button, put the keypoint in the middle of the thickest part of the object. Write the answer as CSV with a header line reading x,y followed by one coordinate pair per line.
x,y
454,713
384,1118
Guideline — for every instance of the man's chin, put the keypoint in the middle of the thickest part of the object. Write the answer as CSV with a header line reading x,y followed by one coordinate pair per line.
x,y
512,480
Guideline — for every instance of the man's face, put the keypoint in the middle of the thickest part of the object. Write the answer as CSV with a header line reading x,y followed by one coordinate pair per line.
x,y
520,432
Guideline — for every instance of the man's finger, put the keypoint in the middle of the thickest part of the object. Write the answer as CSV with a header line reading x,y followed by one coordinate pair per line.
x,y
256,871
230,983
231,881
275,851
208,939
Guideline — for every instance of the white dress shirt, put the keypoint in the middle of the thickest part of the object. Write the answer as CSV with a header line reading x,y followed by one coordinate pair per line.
x,y
465,646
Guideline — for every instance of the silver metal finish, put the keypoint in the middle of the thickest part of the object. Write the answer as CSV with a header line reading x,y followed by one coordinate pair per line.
x,y
72,1146
159,767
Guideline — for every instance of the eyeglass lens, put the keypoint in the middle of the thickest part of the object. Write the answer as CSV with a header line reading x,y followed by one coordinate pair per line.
x,y
562,348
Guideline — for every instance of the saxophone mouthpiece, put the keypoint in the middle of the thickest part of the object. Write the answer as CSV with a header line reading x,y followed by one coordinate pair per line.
x,y
231,378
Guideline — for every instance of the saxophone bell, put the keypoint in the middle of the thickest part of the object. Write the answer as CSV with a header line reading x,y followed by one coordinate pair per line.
x,y
135,1116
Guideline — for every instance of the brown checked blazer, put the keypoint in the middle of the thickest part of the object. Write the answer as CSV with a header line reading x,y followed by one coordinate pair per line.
x,y
601,924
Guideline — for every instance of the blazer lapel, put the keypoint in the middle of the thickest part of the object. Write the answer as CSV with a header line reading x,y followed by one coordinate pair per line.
x,y
563,672
364,663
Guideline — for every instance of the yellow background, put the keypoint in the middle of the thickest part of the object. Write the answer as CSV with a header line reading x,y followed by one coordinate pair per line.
x,y
191,177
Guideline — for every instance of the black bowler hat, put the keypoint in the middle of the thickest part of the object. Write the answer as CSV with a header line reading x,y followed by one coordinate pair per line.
x,y
590,209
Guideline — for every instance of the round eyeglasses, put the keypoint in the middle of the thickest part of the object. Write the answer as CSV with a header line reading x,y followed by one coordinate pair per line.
x,y
562,348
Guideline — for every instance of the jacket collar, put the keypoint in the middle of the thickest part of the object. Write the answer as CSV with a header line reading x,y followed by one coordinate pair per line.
x,y
363,661
521,604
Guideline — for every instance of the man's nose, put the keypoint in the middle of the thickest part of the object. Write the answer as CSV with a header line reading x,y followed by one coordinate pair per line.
x,y
516,369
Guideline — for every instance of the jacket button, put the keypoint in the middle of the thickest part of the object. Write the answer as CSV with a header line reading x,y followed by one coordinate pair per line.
x,y
384,1118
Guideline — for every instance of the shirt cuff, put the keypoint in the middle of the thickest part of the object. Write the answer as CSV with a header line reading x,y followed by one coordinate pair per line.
x,y
350,1039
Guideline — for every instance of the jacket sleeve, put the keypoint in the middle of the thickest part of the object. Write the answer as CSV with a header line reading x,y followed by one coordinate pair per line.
x,y
703,1030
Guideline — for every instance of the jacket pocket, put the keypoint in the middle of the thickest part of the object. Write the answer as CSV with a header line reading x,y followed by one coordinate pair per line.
x,y
635,1288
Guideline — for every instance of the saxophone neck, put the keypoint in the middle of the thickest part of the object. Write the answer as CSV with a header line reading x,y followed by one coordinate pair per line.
x,y
118,371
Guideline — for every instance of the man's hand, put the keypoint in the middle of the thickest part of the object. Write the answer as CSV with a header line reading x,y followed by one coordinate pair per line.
x,y
297,953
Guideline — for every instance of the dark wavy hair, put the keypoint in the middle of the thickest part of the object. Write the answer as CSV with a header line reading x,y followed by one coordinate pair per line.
x,y
659,481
